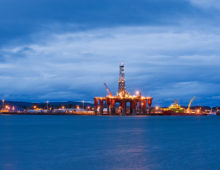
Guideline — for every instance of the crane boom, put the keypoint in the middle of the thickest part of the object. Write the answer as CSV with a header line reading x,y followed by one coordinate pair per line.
x,y
107,89
188,109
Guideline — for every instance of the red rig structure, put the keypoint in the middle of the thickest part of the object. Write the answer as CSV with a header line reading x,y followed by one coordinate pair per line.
x,y
123,103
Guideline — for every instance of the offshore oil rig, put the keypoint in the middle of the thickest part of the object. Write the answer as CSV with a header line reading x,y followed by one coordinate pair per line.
x,y
123,103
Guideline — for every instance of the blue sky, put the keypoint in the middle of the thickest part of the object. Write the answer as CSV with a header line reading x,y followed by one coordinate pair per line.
x,y
65,50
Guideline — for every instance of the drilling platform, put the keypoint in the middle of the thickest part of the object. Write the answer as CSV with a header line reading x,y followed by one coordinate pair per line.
x,y
123,103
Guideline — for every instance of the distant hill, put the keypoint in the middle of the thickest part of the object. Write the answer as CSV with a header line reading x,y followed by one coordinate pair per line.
x,y
29,105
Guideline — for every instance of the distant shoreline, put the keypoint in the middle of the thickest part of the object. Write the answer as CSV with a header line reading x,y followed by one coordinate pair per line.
x,y
90,114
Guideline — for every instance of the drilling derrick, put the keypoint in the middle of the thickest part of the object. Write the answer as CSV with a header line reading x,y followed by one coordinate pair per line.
x,y
121,81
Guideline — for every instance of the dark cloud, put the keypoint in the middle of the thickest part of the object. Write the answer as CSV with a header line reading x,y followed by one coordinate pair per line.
x,y
21,18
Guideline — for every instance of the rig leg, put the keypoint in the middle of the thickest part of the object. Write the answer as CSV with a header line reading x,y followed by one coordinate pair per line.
x,y
144,107
131,107
123,108
149,104
140,107
108,110
134,111
101,107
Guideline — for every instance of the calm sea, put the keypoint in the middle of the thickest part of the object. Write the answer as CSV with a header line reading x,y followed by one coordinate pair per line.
x,y
95,142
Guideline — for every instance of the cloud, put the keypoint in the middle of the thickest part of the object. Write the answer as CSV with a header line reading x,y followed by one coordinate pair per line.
x,y
206,3
160,61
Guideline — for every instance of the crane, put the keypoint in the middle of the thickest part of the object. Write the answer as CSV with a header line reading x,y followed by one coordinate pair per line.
x,y
107,89
188,109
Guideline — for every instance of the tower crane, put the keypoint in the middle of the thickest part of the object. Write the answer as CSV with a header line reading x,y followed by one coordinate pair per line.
x,y
107,89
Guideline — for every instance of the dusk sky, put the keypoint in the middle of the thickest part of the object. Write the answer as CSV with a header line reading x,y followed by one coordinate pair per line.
x,y
64,50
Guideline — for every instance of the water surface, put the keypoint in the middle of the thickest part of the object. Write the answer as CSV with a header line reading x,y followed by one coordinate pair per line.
x,y
104,142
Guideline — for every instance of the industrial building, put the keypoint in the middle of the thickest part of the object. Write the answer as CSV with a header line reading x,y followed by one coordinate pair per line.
x,y
123,103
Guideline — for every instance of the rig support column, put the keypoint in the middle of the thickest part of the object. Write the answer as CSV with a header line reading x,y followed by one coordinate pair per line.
x,y
113,106
140,106
144,106
149,104
134,105
101,106
131,107
123,104
108,102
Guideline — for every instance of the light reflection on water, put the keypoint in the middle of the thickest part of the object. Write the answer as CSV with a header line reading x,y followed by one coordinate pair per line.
x,y
89,142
